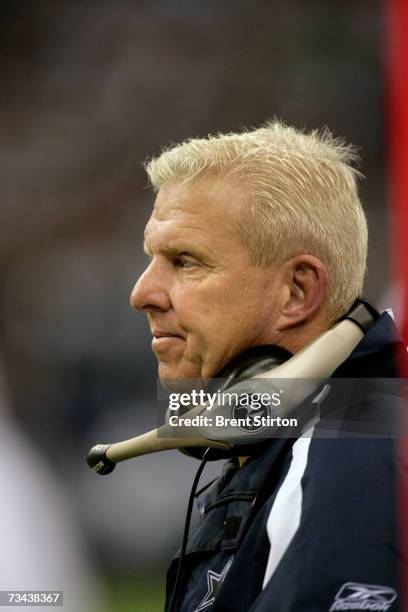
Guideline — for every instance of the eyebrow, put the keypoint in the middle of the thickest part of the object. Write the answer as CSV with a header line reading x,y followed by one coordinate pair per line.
x,y
180,248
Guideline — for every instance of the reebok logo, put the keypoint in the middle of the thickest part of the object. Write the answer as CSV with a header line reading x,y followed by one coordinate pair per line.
x,y
357,596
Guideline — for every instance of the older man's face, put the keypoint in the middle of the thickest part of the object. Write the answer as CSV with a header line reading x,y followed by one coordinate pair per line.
x,y
204,300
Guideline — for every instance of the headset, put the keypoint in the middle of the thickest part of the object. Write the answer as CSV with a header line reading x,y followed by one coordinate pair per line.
x,y
314,363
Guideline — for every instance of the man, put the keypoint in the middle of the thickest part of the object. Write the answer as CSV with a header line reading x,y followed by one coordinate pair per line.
x,y
258,240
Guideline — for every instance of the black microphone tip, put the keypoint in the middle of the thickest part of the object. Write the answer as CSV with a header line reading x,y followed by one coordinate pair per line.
x,y
98,461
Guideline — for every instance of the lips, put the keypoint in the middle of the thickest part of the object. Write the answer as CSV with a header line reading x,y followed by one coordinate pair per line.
x,y
158,333
163,340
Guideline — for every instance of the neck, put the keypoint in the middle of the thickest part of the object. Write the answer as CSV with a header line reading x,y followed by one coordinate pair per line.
x,y
295,339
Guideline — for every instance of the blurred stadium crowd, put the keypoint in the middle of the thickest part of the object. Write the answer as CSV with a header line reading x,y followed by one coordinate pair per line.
x,y
89,90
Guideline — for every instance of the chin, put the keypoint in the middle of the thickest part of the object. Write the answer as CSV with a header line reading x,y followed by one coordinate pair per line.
x,y
179,379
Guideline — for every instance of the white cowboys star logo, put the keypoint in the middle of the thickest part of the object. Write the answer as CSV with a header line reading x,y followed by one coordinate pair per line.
x,y
214,582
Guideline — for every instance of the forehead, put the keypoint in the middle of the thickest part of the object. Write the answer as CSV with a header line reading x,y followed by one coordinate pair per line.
x,y
207,206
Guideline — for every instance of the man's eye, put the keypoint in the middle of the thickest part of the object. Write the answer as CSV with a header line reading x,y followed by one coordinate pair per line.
x,y
183,262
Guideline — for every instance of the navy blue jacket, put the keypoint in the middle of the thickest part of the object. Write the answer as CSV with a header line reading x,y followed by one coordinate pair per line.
x,y
307,524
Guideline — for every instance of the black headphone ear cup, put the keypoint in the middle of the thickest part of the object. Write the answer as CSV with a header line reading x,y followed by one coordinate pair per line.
x,y
252,363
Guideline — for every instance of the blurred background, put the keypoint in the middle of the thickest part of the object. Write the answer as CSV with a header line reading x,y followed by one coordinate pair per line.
x,y
89,90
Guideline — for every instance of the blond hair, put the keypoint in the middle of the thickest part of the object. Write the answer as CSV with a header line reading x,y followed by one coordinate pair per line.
x,y
303,198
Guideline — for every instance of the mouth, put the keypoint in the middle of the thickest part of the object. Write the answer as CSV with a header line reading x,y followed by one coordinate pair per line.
x,y
160,338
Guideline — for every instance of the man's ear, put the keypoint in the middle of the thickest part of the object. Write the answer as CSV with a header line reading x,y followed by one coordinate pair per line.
x,y
305,289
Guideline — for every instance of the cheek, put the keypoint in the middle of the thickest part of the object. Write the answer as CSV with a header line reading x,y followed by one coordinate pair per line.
x,y
196,306
204,317
210,313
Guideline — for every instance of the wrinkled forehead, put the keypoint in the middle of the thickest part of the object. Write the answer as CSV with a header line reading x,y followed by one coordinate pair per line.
x,y
206,197
201,212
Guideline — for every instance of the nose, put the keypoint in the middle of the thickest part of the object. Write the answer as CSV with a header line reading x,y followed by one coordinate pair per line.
x,y
150,293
